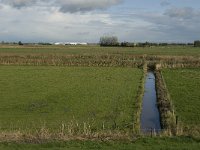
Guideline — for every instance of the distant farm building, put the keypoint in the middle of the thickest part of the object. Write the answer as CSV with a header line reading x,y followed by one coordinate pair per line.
x,y
57,43
70,43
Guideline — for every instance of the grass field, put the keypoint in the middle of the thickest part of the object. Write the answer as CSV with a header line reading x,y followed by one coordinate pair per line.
x,y
37,89
184,86
32,96
97,50
140,144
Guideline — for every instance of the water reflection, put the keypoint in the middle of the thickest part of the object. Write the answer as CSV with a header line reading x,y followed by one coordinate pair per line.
x,y
150,118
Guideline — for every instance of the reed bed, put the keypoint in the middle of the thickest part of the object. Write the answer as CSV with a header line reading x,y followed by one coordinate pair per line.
x,y
110,60
71,60
72,130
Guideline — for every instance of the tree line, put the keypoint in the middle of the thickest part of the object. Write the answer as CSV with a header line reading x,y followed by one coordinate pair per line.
x,y
113,41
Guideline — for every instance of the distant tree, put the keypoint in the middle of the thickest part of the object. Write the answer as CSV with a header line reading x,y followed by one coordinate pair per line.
x,y
196,43
163,44
147,44
190,44
20,43
41,43
127,44
141,44
109,41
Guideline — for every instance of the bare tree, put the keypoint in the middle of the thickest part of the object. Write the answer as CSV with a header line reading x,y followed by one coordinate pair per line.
x,y
109,41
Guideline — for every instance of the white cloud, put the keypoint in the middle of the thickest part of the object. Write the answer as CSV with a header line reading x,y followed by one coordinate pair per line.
x,y
33,26
71,6
165,3
58,20
182,13
19,3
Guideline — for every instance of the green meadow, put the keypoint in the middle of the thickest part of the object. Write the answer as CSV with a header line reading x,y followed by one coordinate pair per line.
x,y
183,86
35,96
92,88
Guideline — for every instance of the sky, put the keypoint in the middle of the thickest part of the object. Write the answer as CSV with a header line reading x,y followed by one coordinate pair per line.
x,y
88,20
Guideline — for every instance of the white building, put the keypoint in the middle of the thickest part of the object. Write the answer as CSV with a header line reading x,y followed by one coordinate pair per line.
x,y
59,43
70,43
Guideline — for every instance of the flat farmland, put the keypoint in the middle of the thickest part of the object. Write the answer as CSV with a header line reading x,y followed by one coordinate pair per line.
x,y
33,96
183,86
97,50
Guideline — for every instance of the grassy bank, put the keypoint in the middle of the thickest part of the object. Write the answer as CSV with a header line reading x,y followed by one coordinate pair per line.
x,y
178,143
165,106
138,104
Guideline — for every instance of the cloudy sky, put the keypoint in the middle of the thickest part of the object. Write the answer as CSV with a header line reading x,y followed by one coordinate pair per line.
x,y
87,20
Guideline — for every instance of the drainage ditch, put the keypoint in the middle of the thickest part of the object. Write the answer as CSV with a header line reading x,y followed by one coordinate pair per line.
x,y
150,117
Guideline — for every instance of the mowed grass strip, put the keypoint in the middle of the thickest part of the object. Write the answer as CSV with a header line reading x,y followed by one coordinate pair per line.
x,y
176,143
32,96
183,86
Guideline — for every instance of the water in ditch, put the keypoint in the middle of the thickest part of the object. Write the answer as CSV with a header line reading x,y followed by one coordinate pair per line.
x,y
150,117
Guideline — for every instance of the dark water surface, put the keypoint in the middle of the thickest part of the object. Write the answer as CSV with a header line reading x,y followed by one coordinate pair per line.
x,y
150,117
